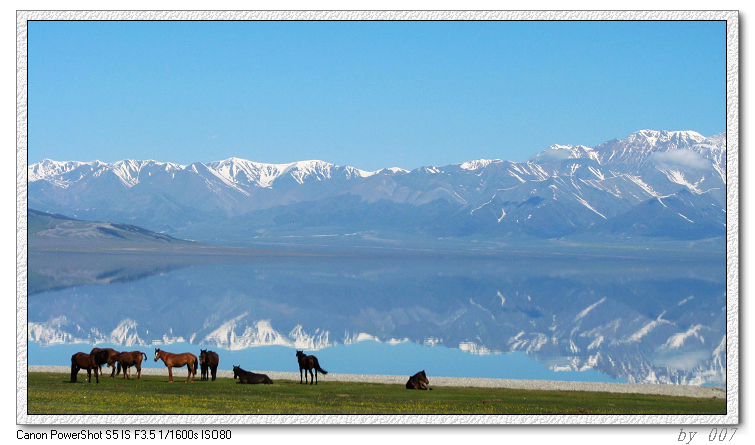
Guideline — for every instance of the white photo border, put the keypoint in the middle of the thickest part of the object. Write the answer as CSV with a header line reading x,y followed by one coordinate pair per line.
x,y
732,227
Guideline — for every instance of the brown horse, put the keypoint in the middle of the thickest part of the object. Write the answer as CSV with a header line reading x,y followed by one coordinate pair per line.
x,y
97,358
308,363
208,359
418,381
250,377
128,359
111,354
178,360
79,361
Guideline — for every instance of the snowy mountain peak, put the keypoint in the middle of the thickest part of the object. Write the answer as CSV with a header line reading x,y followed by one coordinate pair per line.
x,y
558,152
662,137
477,164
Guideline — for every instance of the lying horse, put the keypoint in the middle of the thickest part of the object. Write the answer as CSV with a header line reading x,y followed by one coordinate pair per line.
x,y
250,377
308,363
418,381
97,358
208,359
187,358
79,361
126,360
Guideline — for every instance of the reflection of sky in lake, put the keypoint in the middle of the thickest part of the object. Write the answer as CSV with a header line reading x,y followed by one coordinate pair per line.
x,y
556,317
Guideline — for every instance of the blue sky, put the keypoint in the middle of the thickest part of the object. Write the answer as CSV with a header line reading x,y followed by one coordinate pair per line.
x,y
366,94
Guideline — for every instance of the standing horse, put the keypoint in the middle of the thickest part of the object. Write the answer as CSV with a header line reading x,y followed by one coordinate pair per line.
x,y
208,359
178,360
111,354
128,359
97,358
418,381
79,361
308,363
250,377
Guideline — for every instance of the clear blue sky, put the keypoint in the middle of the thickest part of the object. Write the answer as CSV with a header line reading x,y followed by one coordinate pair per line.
x,y
366,94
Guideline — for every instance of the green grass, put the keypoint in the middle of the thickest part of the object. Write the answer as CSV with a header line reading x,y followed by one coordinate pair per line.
x,y
50,393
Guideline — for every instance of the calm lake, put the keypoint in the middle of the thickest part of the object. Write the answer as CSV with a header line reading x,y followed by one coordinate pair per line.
x,y
518,315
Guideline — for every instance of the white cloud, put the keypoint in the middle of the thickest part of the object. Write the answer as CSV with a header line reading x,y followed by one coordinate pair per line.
x,y
681,157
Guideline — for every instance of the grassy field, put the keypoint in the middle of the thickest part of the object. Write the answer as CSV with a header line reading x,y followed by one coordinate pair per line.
x,y
50,393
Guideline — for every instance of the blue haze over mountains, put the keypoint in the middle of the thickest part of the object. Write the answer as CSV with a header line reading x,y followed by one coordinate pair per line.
x,y
651,184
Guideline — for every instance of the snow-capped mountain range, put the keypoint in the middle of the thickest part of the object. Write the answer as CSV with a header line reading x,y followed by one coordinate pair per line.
x,y
563,190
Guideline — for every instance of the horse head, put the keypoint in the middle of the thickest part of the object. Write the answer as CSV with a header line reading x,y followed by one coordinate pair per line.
x,y
236,371
157,354
300,353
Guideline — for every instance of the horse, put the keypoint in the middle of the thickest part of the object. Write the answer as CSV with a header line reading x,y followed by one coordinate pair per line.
x,y
418,381
178,360
97,358
111,354
208,359
250,377
308,363
128,359
79,361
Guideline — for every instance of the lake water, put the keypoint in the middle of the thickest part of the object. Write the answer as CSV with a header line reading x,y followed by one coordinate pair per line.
x,y
517,315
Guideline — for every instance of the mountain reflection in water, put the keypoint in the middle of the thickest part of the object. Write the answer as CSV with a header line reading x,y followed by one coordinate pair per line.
x,y
638,320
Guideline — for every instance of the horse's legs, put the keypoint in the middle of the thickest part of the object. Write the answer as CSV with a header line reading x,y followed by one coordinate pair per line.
x,y
96,375
300,378
170,374
311,377
138,370
214,372
89,375
315,376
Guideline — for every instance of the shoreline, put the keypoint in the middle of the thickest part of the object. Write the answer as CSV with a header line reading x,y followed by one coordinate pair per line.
x,y
538,385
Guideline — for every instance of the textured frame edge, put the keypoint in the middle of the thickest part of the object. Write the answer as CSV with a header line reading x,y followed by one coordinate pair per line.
x,y
732,229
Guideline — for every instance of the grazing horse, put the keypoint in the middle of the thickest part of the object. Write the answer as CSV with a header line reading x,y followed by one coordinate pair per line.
x,y
178,360
250,377
208,359
418,381
128,359
308,363
97,358
79,361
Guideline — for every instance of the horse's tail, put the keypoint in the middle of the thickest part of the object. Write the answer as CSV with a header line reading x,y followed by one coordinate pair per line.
x,y
145,356
196,363
317,366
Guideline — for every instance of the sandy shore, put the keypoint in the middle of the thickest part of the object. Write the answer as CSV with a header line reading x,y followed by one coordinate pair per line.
x,y
627,388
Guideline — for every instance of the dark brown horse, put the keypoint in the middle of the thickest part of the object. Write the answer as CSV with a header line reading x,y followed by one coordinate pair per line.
x,y
126,360
185,359
208,359
111,354
308,363
250,377
97,358
418,381
79,361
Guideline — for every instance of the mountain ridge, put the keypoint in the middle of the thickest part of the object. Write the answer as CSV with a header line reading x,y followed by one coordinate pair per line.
x,y
562,190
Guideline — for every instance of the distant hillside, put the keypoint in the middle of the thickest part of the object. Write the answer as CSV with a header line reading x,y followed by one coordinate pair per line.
x,y
50,226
